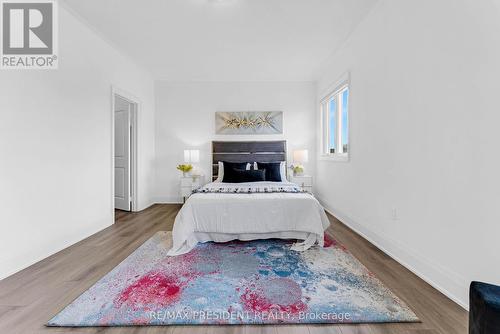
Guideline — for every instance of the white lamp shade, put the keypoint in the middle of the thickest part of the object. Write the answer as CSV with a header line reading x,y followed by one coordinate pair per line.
x,y
195,156
300,156
191,156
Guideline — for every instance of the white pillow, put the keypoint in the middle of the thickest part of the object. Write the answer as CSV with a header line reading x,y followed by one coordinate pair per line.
x,y
220,174
283,171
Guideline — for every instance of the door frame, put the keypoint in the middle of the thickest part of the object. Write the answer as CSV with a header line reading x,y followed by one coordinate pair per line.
x,y
115,91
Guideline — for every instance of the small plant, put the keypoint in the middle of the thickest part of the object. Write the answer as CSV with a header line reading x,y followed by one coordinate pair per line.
x,y
297,169
185,168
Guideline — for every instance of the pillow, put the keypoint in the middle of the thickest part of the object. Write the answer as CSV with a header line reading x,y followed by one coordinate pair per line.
x,y
220,173
273,170
244,175
283,171
229,167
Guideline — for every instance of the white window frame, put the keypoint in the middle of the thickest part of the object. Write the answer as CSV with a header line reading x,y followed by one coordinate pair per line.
x,y
324,105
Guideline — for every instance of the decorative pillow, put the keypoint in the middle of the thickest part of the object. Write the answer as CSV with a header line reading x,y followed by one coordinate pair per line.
x,y
220,173
244,175
273,170
283,171
229,168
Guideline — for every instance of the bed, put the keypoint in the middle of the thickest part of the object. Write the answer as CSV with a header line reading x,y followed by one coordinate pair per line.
x,y
221,211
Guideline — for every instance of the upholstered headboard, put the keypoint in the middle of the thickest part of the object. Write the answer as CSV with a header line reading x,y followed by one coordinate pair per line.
x,y
246,151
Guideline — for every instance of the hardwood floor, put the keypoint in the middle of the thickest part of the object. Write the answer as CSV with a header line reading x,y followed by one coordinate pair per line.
x,y
31,297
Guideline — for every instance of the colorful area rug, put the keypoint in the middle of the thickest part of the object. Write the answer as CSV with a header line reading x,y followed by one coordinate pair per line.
x,y
257,282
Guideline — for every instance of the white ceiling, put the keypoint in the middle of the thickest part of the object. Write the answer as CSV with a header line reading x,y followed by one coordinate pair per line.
x,y
225,40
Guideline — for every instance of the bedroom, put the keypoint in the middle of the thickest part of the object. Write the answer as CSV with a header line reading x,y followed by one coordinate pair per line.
x,y
412,199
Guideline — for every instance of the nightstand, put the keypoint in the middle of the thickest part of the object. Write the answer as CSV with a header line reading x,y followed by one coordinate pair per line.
x,y
305,182
190,183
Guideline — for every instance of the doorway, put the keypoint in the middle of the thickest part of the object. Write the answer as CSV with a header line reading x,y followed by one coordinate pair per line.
x,y
124,116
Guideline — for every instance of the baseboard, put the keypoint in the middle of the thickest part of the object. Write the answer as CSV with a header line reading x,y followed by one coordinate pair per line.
x,y
144,206
427,270
168,200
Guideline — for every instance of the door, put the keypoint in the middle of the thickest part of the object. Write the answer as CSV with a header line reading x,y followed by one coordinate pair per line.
x,y
122,153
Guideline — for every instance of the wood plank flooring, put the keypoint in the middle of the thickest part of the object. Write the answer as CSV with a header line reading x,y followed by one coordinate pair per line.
x,y
31,297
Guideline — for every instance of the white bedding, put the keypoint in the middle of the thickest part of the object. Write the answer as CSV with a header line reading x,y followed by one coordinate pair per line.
x,y
222,217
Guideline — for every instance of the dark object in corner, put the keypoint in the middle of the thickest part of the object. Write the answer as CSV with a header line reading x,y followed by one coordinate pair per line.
x,y
484,308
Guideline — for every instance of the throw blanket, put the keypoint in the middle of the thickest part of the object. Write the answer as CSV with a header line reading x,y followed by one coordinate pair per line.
x,y
222,212
249,189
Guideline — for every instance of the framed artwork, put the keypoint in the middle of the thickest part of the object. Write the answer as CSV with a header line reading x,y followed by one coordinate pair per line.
x,y
248,122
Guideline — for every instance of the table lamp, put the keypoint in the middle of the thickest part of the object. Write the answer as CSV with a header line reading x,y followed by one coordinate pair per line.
x,y
299,157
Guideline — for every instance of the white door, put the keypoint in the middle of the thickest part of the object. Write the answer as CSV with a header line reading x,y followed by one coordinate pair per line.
x,y
122,154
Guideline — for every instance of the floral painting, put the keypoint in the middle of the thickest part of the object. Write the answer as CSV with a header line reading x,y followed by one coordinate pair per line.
x,y
249,122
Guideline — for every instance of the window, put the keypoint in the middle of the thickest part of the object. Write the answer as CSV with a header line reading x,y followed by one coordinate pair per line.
x,y
335,124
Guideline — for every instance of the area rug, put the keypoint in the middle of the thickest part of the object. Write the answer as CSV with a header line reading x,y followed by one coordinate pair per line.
x,y
257,282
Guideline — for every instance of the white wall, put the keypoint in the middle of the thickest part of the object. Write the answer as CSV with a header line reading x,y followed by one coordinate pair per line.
x,y
424,138
55,146
185,118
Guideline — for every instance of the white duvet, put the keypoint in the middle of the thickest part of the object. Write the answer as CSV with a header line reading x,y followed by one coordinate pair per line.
x,y
222,217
